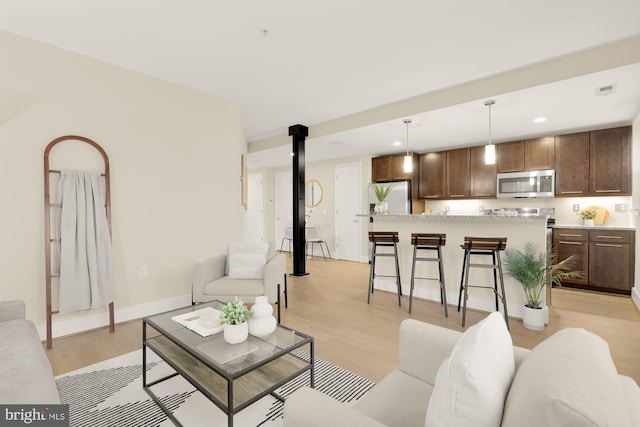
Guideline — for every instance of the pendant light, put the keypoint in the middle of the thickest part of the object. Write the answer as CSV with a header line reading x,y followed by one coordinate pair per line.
x,y
490,149
408,160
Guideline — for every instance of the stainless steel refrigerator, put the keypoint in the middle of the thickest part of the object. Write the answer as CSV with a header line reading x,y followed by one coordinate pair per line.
x,y
399,200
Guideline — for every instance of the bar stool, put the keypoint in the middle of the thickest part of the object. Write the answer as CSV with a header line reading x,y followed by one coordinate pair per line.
x,y
381,239
429,242
487,246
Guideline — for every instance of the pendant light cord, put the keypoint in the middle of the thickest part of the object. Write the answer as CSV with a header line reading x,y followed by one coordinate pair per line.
x,y
407,121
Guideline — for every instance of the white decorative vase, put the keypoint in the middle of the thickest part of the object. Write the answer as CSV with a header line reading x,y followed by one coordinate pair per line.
x,y
234,334
262,323
534,318
588,223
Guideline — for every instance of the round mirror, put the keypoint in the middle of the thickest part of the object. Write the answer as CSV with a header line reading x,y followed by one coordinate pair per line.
x,y
312,193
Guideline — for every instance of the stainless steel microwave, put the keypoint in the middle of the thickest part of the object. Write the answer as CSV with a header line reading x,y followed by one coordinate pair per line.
x,y
526,184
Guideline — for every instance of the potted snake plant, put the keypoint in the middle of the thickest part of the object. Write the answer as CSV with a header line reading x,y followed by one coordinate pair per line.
x,y
534,270
381,192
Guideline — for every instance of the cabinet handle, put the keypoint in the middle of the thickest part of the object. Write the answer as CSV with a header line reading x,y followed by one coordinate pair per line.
x,y
607,191
570,235
608,245
457,195
571,192
569,243
483,195
609,237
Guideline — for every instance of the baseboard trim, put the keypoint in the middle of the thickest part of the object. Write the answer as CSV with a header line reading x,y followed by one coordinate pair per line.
x,y
73,323
635,296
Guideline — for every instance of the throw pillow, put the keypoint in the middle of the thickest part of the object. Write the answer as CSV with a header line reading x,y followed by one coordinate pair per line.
x,y
472,384
247,259
568,379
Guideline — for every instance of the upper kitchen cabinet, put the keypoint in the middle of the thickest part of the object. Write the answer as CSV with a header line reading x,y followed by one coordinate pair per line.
x,y
510,156
483,177
539,154
433,175
610,161
572,158
391,168
530,155
458,173
596,163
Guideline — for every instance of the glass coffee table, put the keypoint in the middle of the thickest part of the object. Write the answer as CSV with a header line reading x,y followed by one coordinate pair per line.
x,y
232,376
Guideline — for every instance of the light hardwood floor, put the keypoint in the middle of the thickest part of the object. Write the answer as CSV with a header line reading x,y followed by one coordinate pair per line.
x,y
331,305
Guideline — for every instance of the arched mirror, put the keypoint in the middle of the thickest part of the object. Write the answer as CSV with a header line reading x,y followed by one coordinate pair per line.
x,y
312,193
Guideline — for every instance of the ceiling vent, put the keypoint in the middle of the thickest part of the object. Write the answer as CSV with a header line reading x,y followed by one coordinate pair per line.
x,y
606,90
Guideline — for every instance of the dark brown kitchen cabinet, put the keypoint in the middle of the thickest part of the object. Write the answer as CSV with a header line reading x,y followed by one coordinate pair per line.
x,y
539,154
611,260
569,242
572,158
510,156
596,163
391,168
607,257
433,175
483,177
459,173
610,161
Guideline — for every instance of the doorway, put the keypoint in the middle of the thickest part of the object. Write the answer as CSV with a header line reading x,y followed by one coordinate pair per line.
x,y
284,205
253,220
348,203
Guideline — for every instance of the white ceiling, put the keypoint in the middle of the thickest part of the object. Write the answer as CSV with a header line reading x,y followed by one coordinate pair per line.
x,y
301,61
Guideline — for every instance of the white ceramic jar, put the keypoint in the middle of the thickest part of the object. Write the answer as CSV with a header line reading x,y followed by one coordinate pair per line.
x,y
262,323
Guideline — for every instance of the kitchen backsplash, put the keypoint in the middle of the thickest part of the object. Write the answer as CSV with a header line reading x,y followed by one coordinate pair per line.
x,y
563,205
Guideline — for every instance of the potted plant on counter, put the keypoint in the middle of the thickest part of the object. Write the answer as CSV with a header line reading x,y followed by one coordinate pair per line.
x,y
588,215
534,270
381,192
234,316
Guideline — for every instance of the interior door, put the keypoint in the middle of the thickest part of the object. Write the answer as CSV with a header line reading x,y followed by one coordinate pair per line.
x,y
348,202
253,224
284,205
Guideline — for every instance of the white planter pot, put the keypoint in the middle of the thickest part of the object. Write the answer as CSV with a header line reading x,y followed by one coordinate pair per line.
x,y
588,222
234,334
533,318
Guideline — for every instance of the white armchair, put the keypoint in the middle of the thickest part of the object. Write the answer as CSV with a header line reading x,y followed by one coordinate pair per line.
x,y
211,281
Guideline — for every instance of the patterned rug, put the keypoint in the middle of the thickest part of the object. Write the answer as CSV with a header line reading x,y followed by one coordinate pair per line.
x,y
110,393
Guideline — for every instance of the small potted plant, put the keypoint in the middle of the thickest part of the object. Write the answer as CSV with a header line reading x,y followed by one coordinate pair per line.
x,y
535,270
234,316
381,192
588,215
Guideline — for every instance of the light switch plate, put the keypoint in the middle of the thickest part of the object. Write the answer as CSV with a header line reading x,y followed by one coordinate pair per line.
x,y
576,207
621,207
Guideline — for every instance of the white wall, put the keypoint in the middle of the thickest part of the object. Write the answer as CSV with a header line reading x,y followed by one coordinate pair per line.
x,y
324,213
175,165
635,292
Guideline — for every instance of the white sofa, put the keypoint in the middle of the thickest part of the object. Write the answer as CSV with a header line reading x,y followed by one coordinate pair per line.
x,y
211,280
25,372
567,380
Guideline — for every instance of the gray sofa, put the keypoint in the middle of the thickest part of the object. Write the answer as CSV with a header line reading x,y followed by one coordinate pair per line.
x,y
211,280
569,379
25,372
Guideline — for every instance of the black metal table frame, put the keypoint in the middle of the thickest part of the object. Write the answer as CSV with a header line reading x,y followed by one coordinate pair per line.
x,y
228,409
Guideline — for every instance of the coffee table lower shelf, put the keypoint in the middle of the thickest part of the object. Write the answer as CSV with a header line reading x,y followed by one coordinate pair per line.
x,y
241,391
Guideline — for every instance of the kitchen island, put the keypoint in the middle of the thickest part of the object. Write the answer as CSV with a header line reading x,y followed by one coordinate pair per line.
x,y
517,230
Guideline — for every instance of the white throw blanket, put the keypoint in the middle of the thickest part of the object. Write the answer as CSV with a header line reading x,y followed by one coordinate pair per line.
x,y
86,270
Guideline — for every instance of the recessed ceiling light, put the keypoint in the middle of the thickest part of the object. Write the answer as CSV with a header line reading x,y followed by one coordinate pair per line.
x,y
396,143
540,119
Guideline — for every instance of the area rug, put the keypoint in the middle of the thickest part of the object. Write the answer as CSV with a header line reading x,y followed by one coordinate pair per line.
x,y
110,393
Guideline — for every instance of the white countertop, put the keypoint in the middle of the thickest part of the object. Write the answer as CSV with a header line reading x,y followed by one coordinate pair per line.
x,y
458,217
